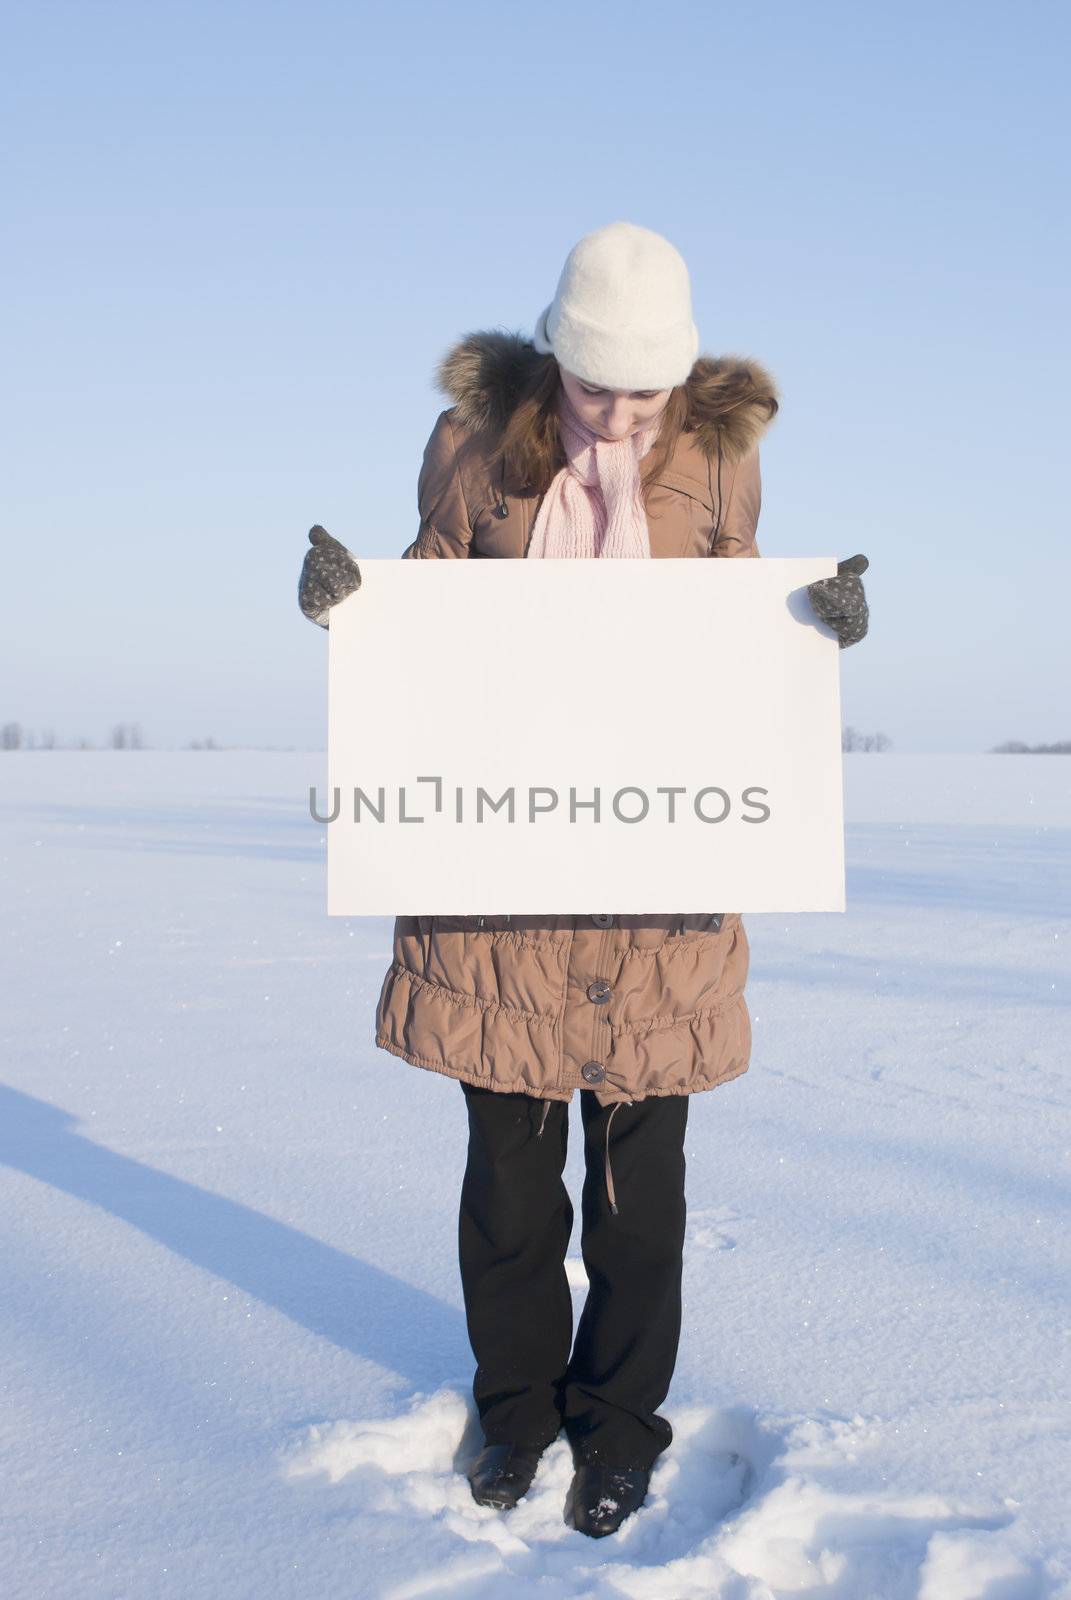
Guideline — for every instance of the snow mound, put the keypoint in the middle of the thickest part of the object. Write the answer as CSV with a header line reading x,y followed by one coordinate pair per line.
x,y
744,1507
424,1441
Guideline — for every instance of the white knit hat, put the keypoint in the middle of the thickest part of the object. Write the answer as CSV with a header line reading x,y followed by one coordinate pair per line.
x,y
622,314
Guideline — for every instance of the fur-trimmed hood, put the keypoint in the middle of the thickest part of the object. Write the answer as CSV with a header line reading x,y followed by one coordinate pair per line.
x,y
731,399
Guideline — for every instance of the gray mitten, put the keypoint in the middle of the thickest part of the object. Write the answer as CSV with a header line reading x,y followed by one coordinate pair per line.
x,y
329,574
841,601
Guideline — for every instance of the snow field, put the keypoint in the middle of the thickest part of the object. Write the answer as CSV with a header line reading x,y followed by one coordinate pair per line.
x,y
231,1345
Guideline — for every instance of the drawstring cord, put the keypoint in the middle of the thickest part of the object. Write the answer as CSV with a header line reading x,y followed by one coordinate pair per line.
x,y
611,1194
617,1082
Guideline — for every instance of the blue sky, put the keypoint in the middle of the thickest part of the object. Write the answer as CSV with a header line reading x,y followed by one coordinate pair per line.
x,y
239,237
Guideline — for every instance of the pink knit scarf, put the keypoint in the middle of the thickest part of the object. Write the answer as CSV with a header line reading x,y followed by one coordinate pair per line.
x,y
593,505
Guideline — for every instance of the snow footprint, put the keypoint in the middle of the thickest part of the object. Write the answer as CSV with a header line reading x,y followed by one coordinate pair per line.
x,y
415,1463
800,1535
740,1508
710,1228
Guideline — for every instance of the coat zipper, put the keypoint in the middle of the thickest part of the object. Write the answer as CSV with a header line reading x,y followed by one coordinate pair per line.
x,y
529,521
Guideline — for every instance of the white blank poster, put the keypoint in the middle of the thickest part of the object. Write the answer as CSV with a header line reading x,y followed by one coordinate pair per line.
x,y
548,737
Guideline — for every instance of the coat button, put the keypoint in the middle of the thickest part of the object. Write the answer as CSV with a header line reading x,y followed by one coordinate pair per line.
x,y
591,1072
603,919
599,991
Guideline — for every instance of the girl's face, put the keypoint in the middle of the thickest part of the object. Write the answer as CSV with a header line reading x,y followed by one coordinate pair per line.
x,y
613,413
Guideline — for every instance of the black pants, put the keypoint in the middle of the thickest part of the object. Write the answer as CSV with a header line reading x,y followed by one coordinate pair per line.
x,y
514,1226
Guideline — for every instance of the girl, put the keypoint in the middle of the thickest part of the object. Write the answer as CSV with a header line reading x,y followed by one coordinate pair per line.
x,y
605,435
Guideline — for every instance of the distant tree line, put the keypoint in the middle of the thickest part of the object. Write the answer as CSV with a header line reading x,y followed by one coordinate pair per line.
x,y
852,739
128,736
1015,747
122,736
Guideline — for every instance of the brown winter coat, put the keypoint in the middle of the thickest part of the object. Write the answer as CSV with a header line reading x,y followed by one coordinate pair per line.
x,y
628,1006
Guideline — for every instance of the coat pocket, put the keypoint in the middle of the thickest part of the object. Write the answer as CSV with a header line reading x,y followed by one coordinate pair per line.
x,y
696,924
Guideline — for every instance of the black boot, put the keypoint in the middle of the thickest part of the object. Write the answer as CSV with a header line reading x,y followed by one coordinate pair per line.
x,y
601,1497
503,1473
